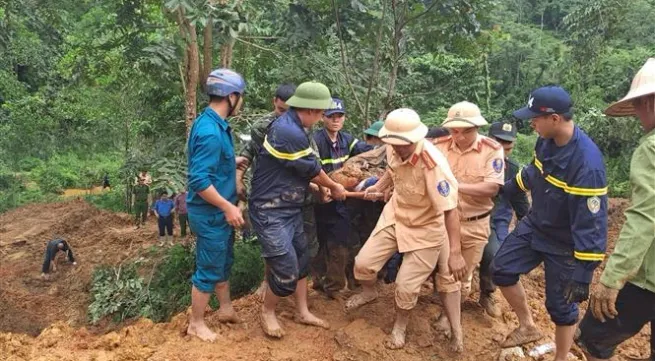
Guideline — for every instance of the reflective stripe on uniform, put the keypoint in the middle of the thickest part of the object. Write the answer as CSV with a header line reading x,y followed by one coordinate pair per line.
x,y
335,161
352,145
519,181
582,256
286,156
588,192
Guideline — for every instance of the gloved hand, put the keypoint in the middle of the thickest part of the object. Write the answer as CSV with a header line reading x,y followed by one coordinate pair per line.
x,y
576,292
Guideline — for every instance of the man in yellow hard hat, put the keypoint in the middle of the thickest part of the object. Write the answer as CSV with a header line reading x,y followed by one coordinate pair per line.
x,y
417,221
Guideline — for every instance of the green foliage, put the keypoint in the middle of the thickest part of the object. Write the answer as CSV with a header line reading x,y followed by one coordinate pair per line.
x,y
118,292
113,200
122,292
524,148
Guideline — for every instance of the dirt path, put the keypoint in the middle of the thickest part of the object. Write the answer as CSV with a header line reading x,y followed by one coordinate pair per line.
x,y
355,336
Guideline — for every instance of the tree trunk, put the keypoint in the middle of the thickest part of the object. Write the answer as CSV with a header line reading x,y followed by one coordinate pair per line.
x,y
192,73
207,56
395,54
226,53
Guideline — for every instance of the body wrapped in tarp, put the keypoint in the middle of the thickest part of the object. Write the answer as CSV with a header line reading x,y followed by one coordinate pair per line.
x,y
360,167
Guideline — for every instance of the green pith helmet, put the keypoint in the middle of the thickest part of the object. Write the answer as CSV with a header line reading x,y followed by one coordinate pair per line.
x,y
311,95
374,129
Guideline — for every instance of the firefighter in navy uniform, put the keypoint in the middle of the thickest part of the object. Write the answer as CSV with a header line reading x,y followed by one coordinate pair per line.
x,y
332,219
566,228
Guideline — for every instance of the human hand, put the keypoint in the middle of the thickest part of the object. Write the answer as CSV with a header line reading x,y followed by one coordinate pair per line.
x,y
372,193
576,292
234,217
325,195
603,302
242,163
338,192
457,265
241,190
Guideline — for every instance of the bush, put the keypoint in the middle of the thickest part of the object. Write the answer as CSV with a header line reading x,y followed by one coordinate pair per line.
x,y
524,148
120,292
113,200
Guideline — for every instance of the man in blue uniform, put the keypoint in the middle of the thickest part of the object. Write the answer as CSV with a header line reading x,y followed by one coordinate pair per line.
x,y
212,197
285,166
501,215
566,228
332,219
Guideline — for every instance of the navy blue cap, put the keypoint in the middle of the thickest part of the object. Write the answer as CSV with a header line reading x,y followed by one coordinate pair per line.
x,y
503,131
337,107
546,100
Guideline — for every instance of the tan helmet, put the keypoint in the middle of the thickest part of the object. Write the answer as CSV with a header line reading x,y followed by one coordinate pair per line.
x,y
643,84
464,115
402,127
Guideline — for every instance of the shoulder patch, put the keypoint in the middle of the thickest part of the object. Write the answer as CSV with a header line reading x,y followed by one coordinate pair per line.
x,y
497,164
414,159
428,160
490,142
444,188
593,203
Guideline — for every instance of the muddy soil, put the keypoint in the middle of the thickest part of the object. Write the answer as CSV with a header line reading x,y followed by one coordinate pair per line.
x,y
358,335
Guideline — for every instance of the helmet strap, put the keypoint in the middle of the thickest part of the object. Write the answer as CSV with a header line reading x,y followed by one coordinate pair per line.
x,y
233,107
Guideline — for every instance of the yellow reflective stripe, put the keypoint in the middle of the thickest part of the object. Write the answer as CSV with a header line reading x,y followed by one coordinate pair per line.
x,y
286,156
589,256
519,180
333,161
352,145
578,191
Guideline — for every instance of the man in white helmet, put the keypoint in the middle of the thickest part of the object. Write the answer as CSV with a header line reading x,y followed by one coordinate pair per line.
x,y
414,221
478,164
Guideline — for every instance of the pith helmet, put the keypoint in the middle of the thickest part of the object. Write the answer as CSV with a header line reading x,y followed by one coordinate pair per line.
x,y
642,84
311,95
464,115
402,127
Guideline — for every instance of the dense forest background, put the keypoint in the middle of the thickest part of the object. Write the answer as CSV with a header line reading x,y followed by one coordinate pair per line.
x,y
90,87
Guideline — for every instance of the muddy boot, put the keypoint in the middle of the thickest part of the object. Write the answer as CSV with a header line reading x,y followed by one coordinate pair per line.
x,y
490,304
161,241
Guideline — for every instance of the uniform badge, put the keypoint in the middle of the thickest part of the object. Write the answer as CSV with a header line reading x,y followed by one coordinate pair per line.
x,y
593,204
497,164
507,127
444,188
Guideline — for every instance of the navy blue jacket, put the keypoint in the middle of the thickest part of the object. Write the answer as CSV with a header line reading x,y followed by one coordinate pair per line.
x,y
285,165
569,201
501,215
333,155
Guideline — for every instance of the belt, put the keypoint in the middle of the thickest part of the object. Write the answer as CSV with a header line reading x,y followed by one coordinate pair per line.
x,y
475,218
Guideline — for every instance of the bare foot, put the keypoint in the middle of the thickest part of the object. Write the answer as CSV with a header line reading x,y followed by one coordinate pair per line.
x,y
396,340
360,300
201,331
443,325
456,342
270,326
227,315
311,320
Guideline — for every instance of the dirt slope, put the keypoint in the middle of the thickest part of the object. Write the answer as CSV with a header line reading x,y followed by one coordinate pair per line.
x,y
356,336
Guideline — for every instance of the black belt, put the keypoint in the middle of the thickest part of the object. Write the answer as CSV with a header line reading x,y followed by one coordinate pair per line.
x,y
475,218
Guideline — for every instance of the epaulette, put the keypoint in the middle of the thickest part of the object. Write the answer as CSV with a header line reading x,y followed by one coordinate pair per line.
x,y
442,139
492,143
428,160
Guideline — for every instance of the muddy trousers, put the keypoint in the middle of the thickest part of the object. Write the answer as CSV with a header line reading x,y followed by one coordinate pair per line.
x,y
140,213
416,267
486,284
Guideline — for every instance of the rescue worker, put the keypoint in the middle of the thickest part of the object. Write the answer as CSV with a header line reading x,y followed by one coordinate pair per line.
x,y
417,221
250,153
332,219
478,164
501,215
140,201
566,228
371,134
624,300
285,166
212,198
51,250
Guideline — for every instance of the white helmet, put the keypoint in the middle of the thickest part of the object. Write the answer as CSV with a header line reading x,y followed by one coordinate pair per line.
x,y
464,115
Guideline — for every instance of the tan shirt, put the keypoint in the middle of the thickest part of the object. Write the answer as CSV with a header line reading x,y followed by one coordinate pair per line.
x,y
424,188
482,162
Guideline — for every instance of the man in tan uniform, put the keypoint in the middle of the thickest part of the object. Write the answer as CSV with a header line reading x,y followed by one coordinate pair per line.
x,y
478,164
422,207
